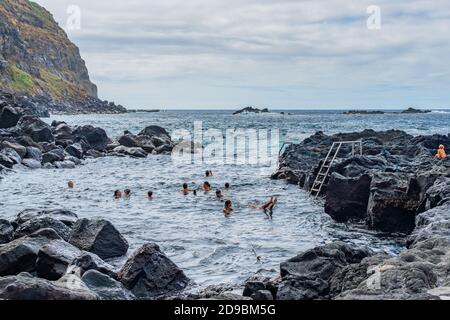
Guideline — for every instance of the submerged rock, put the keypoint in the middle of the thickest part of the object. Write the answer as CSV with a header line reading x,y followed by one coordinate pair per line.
x,y
148,273
133,152
100,237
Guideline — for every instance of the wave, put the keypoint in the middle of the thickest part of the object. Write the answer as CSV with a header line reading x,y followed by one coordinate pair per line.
x,y
440,111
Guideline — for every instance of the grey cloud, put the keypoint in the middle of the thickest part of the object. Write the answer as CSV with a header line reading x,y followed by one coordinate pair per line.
x,y
223,44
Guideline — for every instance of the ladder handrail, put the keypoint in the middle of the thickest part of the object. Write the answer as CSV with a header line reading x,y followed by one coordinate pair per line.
x,y
320,182
323,164
328,169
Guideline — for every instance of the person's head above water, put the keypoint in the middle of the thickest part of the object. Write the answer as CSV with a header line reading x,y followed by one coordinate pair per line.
x,y
228,208
219,194
441,146
150,194
71,184
227,185
117,194
206,186
185,186
127,192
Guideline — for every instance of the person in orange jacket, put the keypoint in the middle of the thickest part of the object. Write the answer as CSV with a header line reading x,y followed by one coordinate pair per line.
x,y
441,153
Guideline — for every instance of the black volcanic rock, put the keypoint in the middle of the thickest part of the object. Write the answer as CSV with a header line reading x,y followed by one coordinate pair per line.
x,y
26,287
37,129
154,131
43,222
65,216
412,110
251,110
100,237
347,198
400,169
96,137
106,287
148,273
363,112
8,117
6,231
308,276
20,255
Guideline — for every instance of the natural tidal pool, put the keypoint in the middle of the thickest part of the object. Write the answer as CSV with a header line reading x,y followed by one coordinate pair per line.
x,y
192,230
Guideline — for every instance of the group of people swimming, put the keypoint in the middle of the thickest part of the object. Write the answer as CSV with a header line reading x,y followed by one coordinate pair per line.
x,y
228,205
126,194
206,188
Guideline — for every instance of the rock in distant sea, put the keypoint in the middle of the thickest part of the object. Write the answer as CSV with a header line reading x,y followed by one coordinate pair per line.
x,y
251,110
412,110
364,112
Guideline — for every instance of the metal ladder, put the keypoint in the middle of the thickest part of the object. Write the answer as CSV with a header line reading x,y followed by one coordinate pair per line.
x,y
327,164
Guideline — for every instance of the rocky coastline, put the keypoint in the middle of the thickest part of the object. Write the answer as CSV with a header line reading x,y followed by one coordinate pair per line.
x,y
27,141
396,186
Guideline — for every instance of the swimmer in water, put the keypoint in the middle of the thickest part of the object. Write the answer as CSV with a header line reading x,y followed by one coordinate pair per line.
x,y
127,193
150,195
117,194
219,194
227,186
228,208
71,184
267,207
208,173
206,186
185,189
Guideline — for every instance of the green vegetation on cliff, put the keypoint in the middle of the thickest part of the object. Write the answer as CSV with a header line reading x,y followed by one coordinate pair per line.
x,y
21,81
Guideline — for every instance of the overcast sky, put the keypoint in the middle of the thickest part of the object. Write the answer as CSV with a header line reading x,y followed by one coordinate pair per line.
x,y
295,54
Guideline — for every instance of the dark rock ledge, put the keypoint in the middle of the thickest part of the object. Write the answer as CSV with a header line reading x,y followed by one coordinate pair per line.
x,y
397,186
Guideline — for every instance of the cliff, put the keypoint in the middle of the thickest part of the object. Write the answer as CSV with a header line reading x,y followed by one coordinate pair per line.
x,y
38,60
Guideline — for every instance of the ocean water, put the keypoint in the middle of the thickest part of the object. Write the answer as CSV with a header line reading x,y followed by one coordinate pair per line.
x,y
192,230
